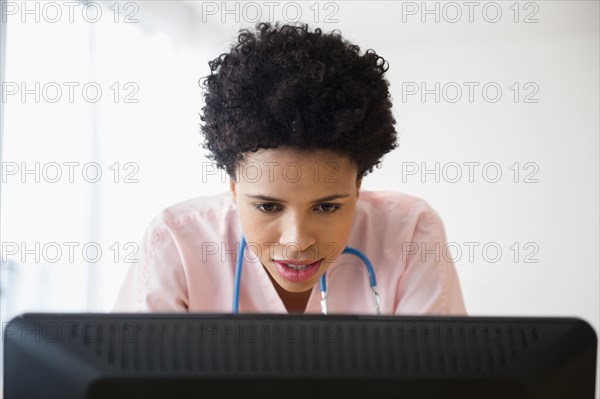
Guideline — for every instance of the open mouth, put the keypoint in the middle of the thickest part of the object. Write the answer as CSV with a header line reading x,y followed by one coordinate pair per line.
x,y
299,267
297,273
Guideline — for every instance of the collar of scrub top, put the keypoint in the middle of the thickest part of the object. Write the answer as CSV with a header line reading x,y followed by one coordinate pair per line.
x,y
323,282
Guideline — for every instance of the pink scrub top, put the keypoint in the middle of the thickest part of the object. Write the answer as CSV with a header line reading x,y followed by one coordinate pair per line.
x,y
189,254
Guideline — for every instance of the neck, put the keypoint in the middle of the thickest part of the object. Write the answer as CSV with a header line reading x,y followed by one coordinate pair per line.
x,y
295,302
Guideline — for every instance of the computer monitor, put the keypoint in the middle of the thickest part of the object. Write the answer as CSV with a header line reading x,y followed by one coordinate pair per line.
x,y
172,355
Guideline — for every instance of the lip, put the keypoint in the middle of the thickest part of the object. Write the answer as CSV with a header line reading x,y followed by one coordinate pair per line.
x,y
297,276
297,262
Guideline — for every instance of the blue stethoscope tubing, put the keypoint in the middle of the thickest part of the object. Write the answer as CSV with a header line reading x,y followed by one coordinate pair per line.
x,y
323,282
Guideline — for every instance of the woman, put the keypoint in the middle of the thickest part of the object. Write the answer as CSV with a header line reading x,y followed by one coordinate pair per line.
x,y
297,118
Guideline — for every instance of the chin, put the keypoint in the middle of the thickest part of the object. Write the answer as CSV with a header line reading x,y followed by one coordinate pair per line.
x,y
298,287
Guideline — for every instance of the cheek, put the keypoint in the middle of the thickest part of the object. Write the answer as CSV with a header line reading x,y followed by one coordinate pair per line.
x,y
256,232
250,221
334,238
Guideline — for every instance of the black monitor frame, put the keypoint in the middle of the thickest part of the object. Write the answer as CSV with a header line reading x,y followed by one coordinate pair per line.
x,y
150,355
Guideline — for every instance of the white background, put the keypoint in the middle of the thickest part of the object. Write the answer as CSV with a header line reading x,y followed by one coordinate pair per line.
x,y
549,209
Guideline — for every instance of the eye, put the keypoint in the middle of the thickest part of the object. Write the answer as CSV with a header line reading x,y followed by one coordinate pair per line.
x,y
266,207
329,209
271,207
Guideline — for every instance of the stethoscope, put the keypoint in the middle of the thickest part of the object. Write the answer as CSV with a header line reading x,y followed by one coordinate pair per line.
x,y
323,282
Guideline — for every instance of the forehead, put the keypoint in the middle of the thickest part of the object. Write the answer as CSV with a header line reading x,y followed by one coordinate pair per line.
x,y
289,165
286,154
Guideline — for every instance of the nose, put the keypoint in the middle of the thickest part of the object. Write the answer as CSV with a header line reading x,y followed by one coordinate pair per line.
x,y
296,235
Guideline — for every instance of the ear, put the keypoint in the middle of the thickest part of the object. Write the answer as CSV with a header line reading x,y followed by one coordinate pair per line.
x,y
232,188
358,184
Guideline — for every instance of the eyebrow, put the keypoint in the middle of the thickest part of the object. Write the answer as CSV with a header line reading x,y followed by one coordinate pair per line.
x,y
328,198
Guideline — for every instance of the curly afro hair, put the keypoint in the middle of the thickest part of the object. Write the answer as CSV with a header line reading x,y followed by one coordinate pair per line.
x,y
288,86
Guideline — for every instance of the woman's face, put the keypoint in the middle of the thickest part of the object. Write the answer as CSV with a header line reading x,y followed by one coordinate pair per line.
x,y
297,207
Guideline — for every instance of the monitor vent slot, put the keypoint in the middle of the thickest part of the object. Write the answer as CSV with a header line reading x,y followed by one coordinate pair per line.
x,y
237,346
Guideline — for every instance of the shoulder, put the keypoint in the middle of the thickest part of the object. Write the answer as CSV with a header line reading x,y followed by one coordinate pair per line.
x,y
206,214
198,207
391,218
394,207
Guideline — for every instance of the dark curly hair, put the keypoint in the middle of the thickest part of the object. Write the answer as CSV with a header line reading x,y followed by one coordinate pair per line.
x,y
288,86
